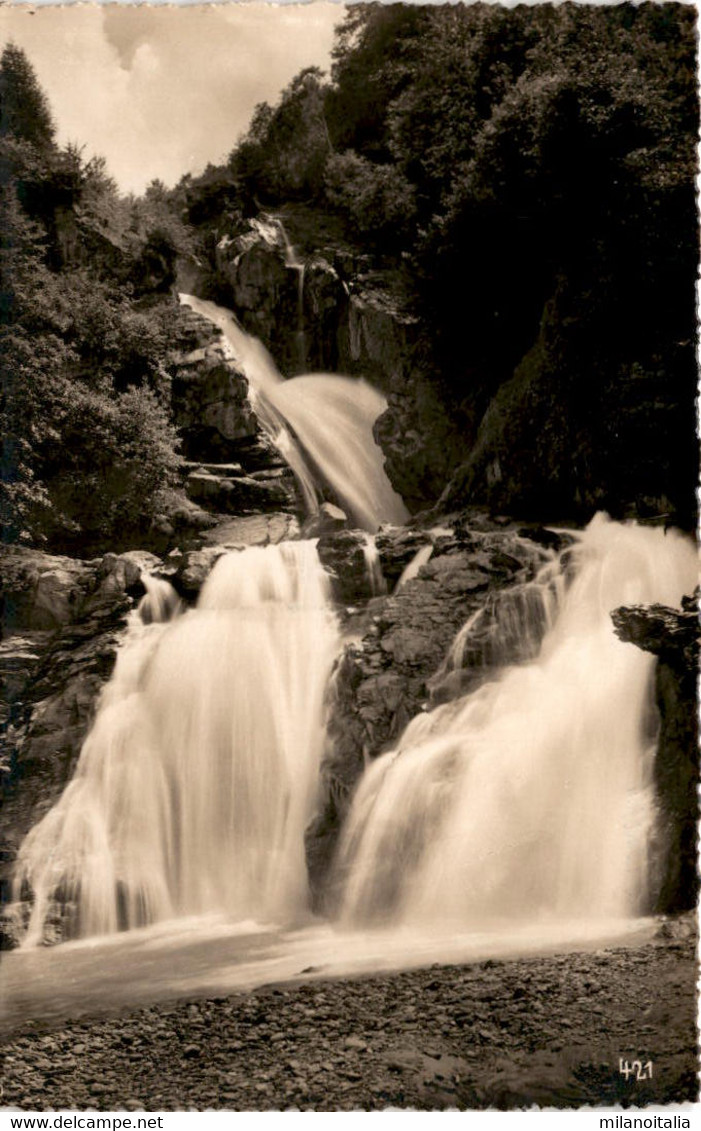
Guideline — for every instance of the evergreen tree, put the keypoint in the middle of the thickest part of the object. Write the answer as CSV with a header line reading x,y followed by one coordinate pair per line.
x,y
24,110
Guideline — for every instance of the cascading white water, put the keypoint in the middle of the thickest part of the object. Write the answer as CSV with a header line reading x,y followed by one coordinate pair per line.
x,y
322,425
373,567
195,785
160,602
531,798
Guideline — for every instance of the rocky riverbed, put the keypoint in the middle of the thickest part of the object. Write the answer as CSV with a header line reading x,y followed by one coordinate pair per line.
x,y
549,1031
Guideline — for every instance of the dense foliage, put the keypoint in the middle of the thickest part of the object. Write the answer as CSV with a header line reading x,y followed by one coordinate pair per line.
x,y
535,168
528,171
88,446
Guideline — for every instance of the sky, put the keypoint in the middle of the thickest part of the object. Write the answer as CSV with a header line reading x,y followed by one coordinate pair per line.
x,y
161,91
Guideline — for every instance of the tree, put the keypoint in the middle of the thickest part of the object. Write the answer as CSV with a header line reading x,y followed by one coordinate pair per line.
x,y
285,149
372,65
24,110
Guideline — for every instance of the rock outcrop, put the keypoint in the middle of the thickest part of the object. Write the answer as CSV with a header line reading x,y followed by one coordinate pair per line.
x,y
326,315
672,635
55,659
209,394
40,591
254,279
231,466
399,642
224,488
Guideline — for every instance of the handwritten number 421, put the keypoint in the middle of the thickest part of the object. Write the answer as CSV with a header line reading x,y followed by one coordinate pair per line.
x,y
636,1069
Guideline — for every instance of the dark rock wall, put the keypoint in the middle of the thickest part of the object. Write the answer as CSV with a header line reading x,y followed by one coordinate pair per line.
x,y
52,675
398,644
673,637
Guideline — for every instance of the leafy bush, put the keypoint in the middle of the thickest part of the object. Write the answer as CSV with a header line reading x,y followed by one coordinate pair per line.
x,y
378,200
120,456
88,444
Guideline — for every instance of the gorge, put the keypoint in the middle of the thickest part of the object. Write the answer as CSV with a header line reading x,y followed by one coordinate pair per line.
x,y
202,773
349,582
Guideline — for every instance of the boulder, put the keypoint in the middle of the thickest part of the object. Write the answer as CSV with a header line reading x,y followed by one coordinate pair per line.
x,y
193,569
40,591
422,439
329,519
210,402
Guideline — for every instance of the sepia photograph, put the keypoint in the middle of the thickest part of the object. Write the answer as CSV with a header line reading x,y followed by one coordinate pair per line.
x,y
349,572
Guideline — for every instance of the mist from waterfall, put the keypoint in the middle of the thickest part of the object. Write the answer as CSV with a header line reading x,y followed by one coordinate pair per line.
x,y
530,799
321,423
199,777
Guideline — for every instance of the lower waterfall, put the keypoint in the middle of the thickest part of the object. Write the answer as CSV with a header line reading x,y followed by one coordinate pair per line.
x,y
530,799
195,785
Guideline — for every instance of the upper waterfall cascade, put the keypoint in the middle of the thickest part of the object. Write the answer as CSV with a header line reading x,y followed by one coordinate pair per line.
x,y
321,423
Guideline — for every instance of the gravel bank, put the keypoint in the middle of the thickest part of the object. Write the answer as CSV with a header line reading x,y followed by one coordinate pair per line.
x,y
508,1034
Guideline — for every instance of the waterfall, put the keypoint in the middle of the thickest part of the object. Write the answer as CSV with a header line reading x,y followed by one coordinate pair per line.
x,y
321,424
373,567
195,785
531,798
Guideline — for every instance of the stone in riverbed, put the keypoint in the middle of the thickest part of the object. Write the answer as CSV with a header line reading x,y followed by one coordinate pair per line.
x,y
329,519
234,494
252,530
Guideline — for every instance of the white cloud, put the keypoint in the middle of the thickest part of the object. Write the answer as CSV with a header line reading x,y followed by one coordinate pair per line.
x,y
160,91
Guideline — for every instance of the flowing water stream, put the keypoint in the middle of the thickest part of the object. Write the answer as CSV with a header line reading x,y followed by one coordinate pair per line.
x,y
199,777
515,819
321,423
530,799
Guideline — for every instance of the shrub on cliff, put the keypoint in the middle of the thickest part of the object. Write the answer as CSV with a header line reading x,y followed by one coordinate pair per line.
x,y
119,459
377,201
88,444
286,146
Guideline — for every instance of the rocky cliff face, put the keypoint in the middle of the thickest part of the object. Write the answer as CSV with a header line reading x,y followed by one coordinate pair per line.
x,y
231,468
393,666
332,314
64,621
539,441
672,635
